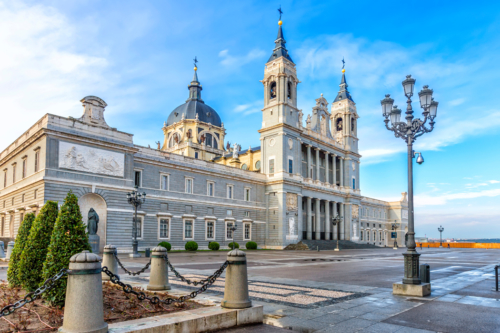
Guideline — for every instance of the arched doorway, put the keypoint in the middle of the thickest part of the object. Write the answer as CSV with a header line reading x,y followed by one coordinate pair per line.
x,y
92,200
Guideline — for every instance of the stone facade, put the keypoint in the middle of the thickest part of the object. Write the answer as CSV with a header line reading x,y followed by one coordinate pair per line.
x,y
290,188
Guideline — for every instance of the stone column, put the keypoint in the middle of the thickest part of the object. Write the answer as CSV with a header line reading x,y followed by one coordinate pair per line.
x,y
327,180
309,218
317,164
334,169
109,261
318,219
327,220
309,161
300,218
341,160
342,224
158,279
335,227
83,311
236,285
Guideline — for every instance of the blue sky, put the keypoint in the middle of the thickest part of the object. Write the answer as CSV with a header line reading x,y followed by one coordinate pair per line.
x,y
137,56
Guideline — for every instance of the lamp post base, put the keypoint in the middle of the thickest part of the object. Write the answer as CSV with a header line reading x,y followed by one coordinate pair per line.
x,y
418,290
411,273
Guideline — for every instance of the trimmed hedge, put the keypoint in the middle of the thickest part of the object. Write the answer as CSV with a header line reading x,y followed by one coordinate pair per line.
x,y
35,250
68,238
191,246
214,246
251,246
165,245
15,257
236,245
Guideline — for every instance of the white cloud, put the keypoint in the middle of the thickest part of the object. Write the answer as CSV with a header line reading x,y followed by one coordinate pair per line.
x,y
229,60
494,181
40,70
437,200
249,108
457,101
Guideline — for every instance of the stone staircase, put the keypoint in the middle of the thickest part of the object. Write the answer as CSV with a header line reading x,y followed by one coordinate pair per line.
x,y
330,245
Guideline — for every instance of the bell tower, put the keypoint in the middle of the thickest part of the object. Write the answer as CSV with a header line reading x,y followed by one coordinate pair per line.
x,y
344,117
280,87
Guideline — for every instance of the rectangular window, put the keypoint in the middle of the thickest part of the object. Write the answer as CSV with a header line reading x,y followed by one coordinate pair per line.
x,y
137,178
164,182
247,214
22,198
210,189
3,226
37,160
189,185
271,165
188,229
24,168
230,191
353,183
229,232
5,179
165,228
229,212
196,155
361,236
248,231
21,218
13,174
247,194
367,236
210,229
290,166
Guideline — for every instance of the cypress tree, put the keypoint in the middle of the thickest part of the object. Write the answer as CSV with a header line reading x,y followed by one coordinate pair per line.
x,y
20,243
68,238
35,251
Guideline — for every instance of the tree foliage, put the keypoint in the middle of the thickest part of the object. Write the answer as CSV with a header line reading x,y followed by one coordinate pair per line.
x,y
68,238
19,245
35,251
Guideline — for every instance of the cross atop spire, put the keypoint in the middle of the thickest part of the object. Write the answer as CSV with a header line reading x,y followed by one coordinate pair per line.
x,y
280,11
195,63
343,63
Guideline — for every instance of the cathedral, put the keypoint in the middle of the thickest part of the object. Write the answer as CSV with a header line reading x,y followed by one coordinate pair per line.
x,y
301,183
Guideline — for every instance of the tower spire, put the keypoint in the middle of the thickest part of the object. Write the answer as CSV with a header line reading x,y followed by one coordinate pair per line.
x,y
280,48
343,92
195,86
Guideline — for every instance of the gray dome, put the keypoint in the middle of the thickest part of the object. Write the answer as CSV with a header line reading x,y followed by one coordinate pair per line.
x,y
195,106
192,108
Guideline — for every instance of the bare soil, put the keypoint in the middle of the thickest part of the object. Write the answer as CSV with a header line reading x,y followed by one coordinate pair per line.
x,y
118,306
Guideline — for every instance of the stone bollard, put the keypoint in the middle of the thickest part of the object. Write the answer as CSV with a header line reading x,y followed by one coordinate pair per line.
x,y
109,261
83,312
2,253
158,279
236,286
10,247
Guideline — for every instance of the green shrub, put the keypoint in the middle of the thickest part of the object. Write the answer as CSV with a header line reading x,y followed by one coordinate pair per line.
x,y
191,246
251,246
165,245
15,257
236,245
68,238
37,245
214,246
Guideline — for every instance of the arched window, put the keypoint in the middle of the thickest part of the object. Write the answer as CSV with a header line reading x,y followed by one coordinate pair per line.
x,y
174,139
289,93
244,167
208,140
338,124
272,90
353,123
257,165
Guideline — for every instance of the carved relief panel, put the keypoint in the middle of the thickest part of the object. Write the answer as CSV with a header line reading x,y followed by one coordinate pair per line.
x,y
291,202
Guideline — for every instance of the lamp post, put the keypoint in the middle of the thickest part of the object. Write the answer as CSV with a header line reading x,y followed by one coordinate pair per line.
x,y
440,229
136,199
409,131
395,227
233,229
336,221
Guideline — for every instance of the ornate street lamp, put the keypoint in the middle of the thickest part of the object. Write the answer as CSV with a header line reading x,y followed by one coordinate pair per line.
x,y
336,221
136,199
233,229
409,131
440,229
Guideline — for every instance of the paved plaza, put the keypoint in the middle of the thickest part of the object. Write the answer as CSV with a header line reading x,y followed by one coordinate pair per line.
x,y
351,290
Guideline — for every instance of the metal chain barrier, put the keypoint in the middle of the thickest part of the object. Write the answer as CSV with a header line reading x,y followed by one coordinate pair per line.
x,y
127,288
31,297
130,272
189,281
